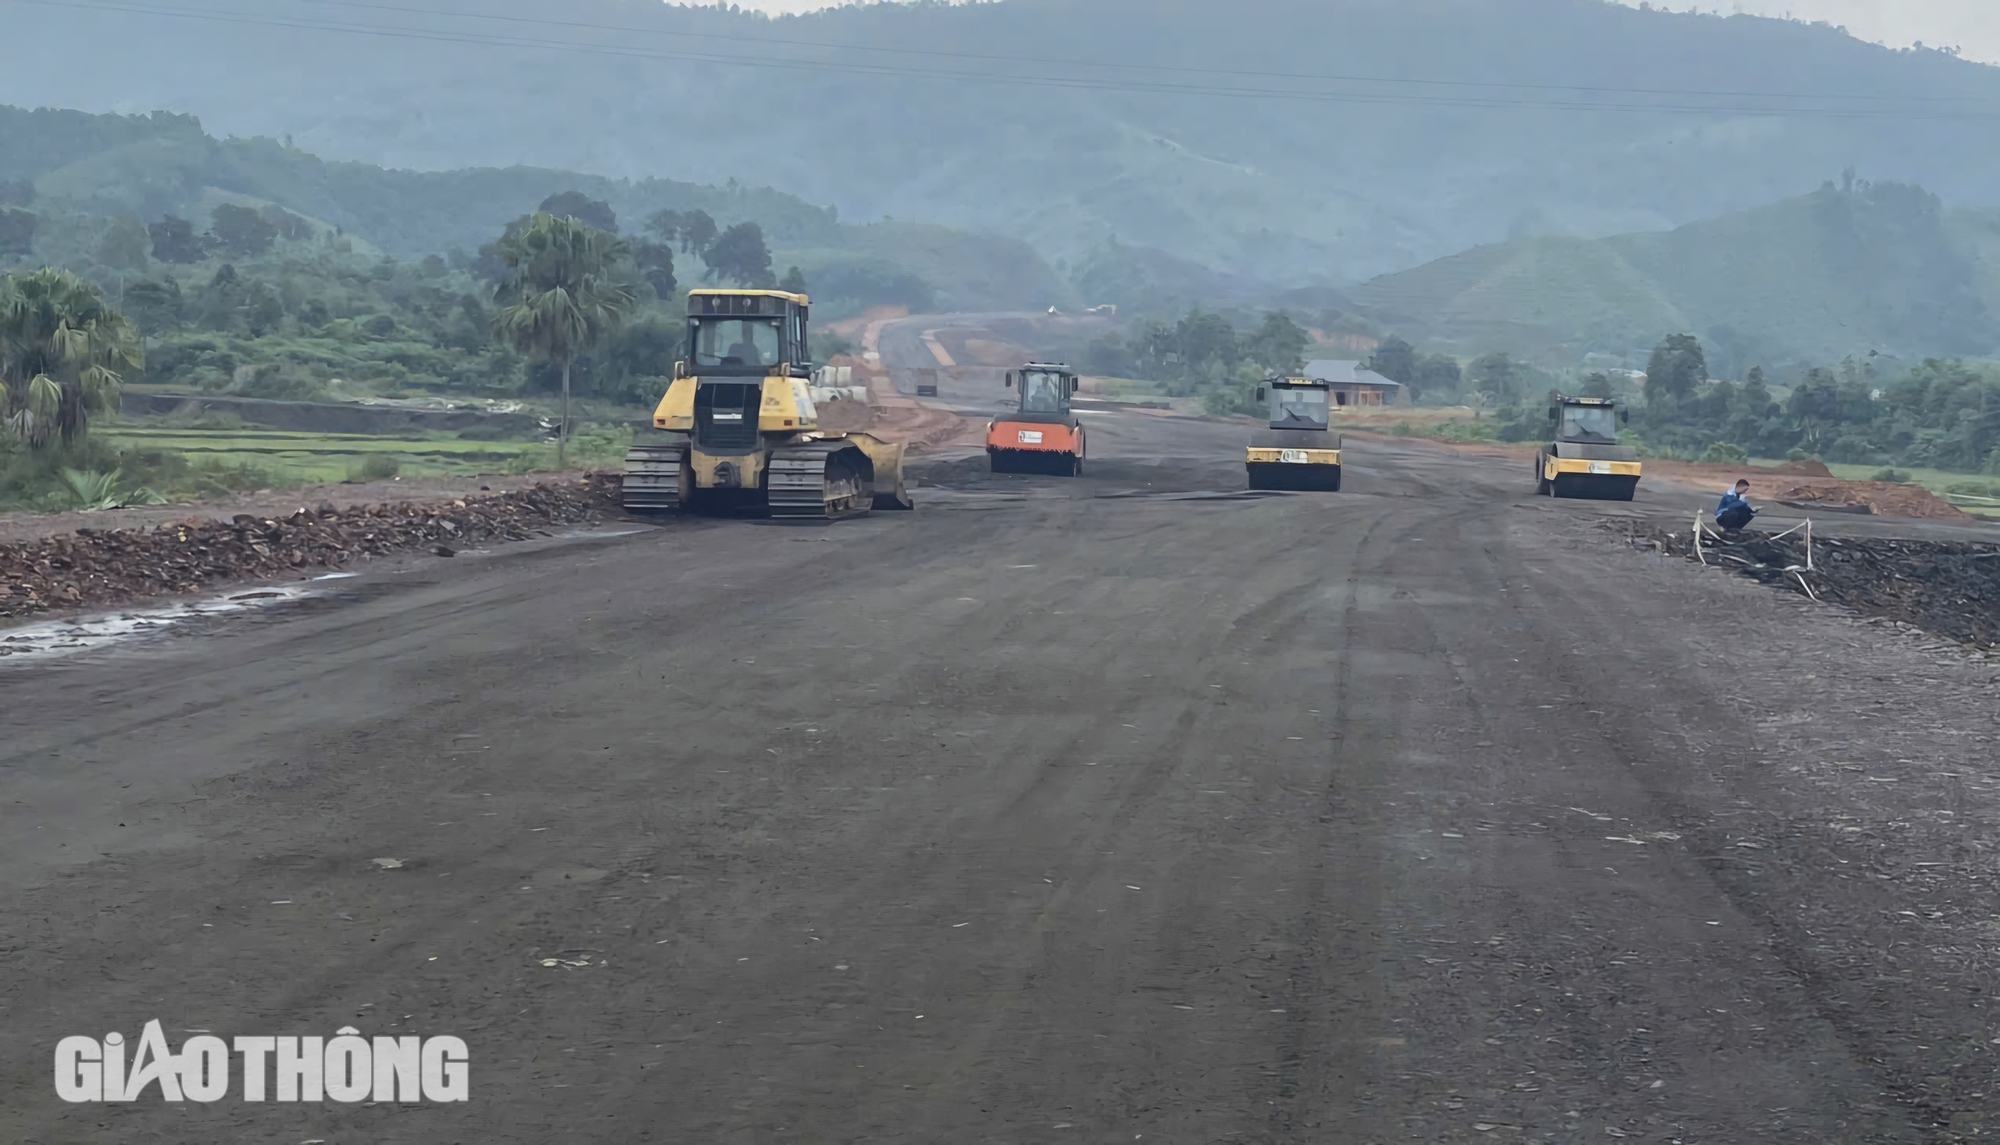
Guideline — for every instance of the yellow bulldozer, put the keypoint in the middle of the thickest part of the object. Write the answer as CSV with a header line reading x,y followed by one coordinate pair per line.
x,y
737,431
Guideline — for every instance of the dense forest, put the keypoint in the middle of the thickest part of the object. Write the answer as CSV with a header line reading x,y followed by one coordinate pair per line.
x,y
1940,414
267,304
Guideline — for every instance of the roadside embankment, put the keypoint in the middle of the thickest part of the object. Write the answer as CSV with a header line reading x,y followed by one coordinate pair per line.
x,y
1948,588
94,568
24,525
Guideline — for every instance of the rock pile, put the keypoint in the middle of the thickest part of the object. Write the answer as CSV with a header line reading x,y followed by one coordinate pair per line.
x,y
90,568
1950,588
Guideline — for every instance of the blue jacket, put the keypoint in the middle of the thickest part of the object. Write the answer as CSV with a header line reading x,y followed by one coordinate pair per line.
x,y
1729,501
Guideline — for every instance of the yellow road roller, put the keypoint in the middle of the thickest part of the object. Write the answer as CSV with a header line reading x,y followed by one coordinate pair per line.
x,y
1585,459
1297,450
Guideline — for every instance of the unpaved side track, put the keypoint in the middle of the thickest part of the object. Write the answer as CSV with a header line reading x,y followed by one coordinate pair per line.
x,y
1086,811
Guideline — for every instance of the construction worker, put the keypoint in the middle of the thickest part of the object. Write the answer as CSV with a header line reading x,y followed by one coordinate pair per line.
x,y
1734,512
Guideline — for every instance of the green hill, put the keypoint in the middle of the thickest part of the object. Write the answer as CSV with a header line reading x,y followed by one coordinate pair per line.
x,y
1538,296
86,169
1844,270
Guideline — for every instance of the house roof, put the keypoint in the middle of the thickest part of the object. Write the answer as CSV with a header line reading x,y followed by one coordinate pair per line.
x,y
1343,371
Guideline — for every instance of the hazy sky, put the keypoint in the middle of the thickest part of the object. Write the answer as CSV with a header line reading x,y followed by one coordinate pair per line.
x,y
1971,25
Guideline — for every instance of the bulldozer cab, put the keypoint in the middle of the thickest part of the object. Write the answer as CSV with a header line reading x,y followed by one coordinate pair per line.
x,y
747,333
1585,421
1298,403
1044,388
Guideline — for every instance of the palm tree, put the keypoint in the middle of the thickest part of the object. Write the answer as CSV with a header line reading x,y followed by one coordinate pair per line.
x,y
560,298
61,349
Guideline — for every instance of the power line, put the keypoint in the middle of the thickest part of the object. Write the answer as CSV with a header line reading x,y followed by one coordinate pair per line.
x,y
1061,82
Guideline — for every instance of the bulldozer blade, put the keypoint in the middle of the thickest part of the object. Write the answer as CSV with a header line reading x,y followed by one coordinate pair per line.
x,y
887,457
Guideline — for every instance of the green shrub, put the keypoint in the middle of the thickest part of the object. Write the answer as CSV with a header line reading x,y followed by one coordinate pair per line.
x,y
636,392
599,445
277,381
209,419
214,478
380,467
1232,400
97,489
1852,449
1890,475
1515,423
1724,452
1466,431
484,433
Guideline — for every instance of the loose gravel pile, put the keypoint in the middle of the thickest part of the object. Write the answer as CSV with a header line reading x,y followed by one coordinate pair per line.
x,y
1950,588
1881,498
91,568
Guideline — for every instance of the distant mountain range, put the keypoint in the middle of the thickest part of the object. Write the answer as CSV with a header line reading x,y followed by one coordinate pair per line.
x,y
1848,269
1279,141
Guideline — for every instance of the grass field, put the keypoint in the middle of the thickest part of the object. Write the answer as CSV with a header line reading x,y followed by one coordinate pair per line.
x,y
302,458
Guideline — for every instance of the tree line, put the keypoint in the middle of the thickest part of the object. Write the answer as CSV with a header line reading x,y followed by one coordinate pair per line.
x,y
1203,354
736,255
1943,413
560,302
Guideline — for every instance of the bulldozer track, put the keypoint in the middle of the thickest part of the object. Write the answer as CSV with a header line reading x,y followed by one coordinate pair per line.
x,y
820,481
656,477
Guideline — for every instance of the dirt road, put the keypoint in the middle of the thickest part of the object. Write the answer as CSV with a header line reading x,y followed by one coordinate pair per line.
x,y
1129,808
